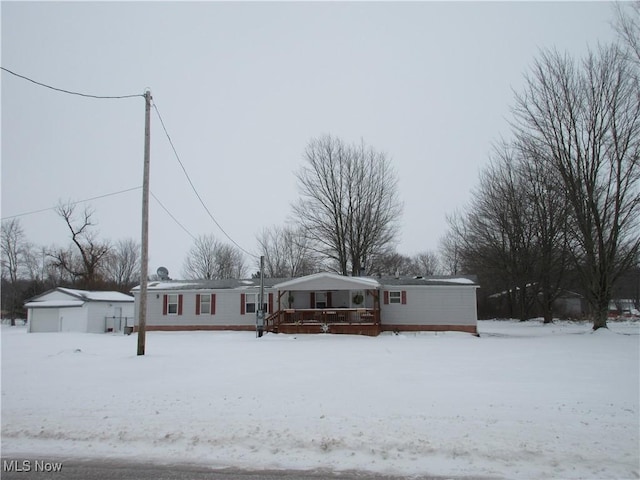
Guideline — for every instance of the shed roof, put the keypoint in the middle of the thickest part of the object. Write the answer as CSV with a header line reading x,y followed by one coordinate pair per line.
x,y
54,304
98,295
81,296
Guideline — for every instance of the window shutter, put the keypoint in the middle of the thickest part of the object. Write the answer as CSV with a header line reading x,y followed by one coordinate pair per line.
x,y
404,297
312,299
270,302
213,304
165,303
180,304
242,304
329,302
386,297
197,304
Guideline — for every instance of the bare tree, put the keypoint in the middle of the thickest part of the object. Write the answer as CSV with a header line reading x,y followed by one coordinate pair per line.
x,y
201,259
627,25
426,263
14,255
583,120
287,253
549,211
85,262
349,205
122,265
450,244
230,262
210,259
498,238
391,263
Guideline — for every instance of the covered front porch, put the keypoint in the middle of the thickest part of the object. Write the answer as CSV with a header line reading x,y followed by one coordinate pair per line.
x,y
327,303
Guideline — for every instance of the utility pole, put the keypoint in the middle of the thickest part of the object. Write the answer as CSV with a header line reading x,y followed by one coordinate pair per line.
x,y
144,255
261,313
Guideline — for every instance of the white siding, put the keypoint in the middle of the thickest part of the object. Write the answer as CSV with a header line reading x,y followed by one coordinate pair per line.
x,y
100,311
44,320
73,319
432,305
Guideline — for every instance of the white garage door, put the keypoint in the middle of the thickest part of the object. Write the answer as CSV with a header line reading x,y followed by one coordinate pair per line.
x,y
44,320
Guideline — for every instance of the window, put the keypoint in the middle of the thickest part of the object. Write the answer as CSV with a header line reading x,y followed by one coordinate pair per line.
x,y
321,300
251,301
172,304
205,304
395,297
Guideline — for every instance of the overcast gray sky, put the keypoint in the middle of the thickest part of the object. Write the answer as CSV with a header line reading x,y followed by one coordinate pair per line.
x,y
242,88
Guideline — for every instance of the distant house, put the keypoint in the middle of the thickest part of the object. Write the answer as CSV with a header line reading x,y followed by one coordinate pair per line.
x,y
323,302
69,310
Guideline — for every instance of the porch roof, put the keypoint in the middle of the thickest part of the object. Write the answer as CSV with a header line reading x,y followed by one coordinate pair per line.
x,y
328,281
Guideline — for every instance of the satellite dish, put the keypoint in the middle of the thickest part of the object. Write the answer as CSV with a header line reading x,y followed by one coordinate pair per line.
x,y
163,273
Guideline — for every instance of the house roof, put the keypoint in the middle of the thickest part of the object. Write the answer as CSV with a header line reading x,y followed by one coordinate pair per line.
x,y
219,284
431,280
314,282
328,281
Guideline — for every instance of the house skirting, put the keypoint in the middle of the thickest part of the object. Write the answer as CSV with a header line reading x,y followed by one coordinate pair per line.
x,y
369,329
430,328
177,328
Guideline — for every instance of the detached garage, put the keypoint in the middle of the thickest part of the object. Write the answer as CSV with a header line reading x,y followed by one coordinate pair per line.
x,y
69,310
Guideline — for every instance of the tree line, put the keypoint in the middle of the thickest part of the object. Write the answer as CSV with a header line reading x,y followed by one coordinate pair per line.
x,y
559,204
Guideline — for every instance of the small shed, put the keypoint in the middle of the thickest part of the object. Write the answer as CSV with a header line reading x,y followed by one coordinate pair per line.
x,y
69,310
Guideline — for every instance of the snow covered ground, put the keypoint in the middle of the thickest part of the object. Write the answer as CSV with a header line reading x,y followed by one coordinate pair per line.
x,y
524,400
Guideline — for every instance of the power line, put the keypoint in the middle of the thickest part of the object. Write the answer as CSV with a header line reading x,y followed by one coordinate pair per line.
x,y
72,203
103,196
69,91
174,218
193,186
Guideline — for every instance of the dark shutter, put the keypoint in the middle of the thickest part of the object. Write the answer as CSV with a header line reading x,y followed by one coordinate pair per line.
x,y
404,297
386,297
312,299
165,303
242,304
180,304
197,304
329,302
270,302
213,304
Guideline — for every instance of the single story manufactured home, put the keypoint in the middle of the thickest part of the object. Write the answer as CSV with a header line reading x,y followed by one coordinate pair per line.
x,y
318,303
70,310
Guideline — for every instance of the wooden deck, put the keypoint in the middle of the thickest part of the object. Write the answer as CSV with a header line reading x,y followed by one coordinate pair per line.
x,y
358,321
